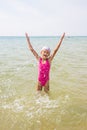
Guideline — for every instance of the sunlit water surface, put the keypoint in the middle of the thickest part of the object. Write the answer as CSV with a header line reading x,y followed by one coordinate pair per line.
x,y
21,107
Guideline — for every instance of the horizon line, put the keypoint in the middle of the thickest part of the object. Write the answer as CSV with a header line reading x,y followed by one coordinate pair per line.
x,y
43,35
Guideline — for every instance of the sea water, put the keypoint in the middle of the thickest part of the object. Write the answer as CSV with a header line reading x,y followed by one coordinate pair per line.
x,y
21,107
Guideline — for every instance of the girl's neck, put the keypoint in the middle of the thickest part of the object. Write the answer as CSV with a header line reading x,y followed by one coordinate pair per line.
x,y
44,61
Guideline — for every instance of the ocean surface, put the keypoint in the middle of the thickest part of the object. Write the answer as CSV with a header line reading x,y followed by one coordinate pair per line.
x,y
21,107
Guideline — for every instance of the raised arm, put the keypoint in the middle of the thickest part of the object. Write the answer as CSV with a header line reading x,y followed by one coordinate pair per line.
x,y
31,48
57,47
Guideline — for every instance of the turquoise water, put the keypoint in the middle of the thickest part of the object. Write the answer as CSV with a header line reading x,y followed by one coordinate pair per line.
x,y
21,108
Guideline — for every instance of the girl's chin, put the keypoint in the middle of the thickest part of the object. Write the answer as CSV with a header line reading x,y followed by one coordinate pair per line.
x,y
44,58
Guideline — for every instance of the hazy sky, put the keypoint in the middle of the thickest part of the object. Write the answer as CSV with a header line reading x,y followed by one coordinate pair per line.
x,y
43,17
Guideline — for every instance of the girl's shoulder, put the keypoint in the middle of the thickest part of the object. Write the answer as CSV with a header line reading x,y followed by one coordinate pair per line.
x,y
49,59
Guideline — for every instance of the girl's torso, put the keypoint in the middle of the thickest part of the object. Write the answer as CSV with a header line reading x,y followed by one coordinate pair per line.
x,y
43,71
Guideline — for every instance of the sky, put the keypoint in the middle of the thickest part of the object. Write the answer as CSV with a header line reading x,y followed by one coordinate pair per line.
x,y
43,17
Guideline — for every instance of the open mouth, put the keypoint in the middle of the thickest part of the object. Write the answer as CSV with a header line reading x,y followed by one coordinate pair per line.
x,y
45,55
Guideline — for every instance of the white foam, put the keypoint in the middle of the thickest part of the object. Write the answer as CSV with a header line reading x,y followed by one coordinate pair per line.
x,y
15,106
45,102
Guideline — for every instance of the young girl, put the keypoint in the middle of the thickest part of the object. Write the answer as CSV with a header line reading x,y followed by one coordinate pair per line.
x,y
44,63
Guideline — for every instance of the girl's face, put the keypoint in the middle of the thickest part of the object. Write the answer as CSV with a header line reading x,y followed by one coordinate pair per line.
x,y
45,54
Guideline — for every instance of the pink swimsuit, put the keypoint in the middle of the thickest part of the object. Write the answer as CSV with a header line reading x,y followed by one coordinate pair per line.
x,y
43,72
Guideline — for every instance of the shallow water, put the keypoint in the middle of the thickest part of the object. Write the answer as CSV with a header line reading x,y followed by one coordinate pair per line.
x,y
21,108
